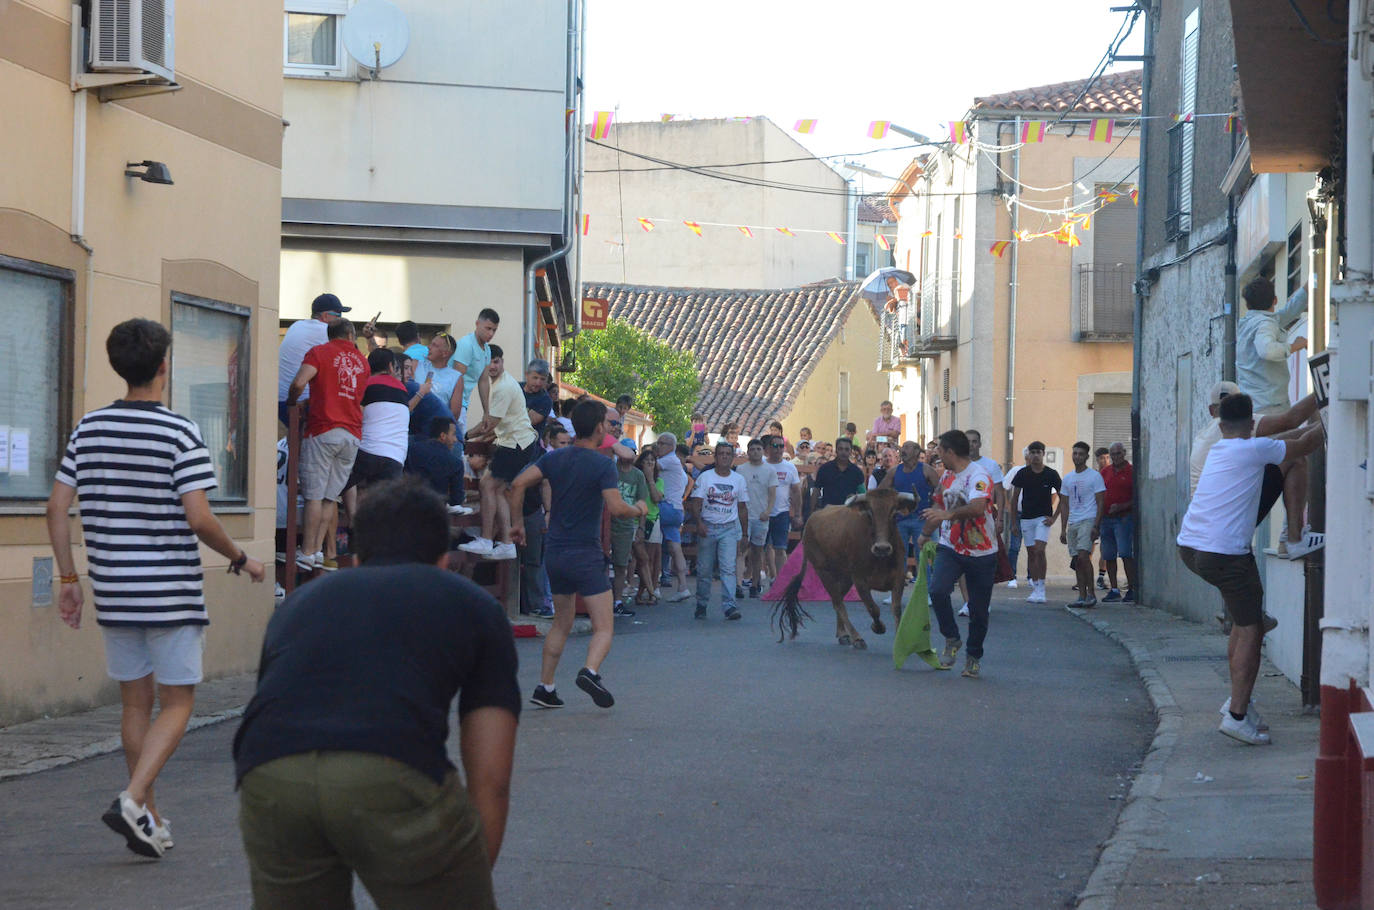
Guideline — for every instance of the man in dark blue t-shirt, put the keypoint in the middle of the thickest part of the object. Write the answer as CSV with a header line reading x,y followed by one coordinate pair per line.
x,y
538,401
582,481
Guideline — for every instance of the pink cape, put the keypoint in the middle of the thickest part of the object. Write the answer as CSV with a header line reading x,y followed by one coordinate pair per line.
x,y
811,588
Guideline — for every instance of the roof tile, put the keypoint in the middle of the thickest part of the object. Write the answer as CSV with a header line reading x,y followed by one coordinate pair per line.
x,y
1112,93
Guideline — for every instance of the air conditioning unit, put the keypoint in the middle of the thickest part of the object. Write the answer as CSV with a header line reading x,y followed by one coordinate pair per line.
x,y
132,36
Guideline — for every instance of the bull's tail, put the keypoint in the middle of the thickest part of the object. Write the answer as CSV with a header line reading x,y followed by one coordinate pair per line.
x,y
788,612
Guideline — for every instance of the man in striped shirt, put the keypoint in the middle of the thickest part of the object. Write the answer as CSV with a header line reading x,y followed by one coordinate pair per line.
x,y
142,474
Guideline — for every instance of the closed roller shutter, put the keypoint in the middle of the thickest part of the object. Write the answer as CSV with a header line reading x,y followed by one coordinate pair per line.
x,y
1111,420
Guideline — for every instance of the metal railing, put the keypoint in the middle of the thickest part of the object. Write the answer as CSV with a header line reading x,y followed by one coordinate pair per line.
x,y
1106,302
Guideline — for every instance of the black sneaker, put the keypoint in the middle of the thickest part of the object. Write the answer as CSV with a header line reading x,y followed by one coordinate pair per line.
x,y
135,823
590,683
1102,581
545,698
732,613
700,613
1128,597
739,593
622,610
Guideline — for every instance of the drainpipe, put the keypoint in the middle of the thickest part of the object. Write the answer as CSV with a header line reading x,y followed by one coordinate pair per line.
x,y
1138,316
852,226
1339,810
1228,307
1011,297
572,99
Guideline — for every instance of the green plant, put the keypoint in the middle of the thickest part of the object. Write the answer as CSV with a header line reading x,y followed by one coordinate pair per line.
x,y
622,359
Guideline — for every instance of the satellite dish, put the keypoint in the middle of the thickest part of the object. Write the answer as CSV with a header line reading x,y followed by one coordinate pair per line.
x,y
375,34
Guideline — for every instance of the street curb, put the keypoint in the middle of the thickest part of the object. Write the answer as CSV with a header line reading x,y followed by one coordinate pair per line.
x,y
111,744
1135,820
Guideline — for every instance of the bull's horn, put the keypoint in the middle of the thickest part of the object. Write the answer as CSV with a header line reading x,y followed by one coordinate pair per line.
x,y
857,497
906,497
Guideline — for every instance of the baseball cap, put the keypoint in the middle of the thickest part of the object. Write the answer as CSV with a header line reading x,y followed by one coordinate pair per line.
x,y
1221,390
328,303
629,444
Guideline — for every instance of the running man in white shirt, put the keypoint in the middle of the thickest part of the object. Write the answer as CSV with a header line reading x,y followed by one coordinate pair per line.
x,y
1214,543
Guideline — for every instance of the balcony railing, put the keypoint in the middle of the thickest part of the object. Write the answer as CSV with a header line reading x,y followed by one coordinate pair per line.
x,y
938,331
1106,302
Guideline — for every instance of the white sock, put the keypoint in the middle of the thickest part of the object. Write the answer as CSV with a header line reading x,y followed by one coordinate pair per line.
x,y
547,688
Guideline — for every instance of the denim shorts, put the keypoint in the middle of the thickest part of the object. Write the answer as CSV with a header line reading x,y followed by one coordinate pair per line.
x,y
670,517
1118,536
578,571
779,526
171,653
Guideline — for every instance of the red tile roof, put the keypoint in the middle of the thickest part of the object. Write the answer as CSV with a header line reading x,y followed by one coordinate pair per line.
x,y
755,349
1113,93
875,209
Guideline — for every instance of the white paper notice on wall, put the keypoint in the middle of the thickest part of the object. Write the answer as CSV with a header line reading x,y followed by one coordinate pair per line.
x,y
19,451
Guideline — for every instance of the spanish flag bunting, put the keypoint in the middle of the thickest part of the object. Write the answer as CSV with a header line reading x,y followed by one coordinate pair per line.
x,y
927,233
743,229
1183,118
804,126
567,117
999,249
1108,197
958,132
1232,123
586,224
883,242
1033,131
694,227
878,129
646,224
1067,235
833,235
601,124
958,235
1023,234
785,232
665,118
1135,196
1101,130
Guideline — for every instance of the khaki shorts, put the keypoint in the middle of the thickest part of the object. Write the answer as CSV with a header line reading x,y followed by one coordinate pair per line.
x,y
623,541
1080,536
1235,576
326,462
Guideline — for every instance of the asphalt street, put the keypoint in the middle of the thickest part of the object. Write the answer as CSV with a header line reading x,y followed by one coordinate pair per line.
x,y
733,771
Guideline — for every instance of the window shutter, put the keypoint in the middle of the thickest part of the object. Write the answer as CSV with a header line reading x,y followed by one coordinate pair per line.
x,y
1111,420
1188,105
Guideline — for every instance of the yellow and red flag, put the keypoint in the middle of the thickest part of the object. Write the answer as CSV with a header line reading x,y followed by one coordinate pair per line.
x,y
646,224
805,126
744,229
999,248
601,124
1066,235
665,118
786,232
835,236
927,233
1101,131
567,117
1232,123
958,132
1183,118
883,242
586,224
693,227
1033,131
877,129
1108,197
1135,196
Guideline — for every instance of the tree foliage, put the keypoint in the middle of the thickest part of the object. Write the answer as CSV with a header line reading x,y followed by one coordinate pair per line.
x,y
622,359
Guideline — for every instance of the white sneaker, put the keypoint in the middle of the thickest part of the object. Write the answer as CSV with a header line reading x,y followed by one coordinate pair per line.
x,y
963,611
1251,712
1310,541
305,560
501,551
460,510
135,823
318,559
163,832
1012,583
279,592
1243,730
1037,594
481,546
680,596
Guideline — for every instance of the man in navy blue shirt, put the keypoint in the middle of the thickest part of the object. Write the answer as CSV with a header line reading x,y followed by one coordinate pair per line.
x,y
431,459
583,481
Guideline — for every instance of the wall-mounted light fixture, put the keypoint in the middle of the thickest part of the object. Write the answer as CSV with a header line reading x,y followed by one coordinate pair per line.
x,y
154,172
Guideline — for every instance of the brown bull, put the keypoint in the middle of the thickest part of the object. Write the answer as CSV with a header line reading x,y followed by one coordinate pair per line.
x,y
855,544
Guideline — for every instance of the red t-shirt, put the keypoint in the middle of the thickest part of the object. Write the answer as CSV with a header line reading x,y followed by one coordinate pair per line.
x,y
336,391
1120,485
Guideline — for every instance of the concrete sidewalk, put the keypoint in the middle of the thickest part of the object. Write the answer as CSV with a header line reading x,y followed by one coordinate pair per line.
x,y
1209,822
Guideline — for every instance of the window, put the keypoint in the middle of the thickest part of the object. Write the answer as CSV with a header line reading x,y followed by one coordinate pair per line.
x,y
1106,293
1112,420
863,254
944,384
35,376
1178,221
1297,264
209,384
844,399
956,256
313,37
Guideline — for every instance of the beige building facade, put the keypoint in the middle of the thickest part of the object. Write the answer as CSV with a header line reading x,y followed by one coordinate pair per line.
x,y
83,247
1034,343
625,180
434,186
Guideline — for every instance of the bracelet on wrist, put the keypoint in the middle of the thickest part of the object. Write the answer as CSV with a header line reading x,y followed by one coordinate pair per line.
x,y
69,579
236,565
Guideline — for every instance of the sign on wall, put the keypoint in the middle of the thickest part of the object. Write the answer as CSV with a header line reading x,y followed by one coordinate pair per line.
x,y
594,313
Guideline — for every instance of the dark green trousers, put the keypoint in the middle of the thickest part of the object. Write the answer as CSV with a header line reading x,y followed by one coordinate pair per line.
x,y
310,821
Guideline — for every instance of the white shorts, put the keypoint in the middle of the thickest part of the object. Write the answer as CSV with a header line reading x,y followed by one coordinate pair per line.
x,y
1033,531
656,535
171,653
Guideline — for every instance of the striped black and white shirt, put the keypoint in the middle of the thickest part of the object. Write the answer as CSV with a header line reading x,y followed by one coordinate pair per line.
x,y
130,464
